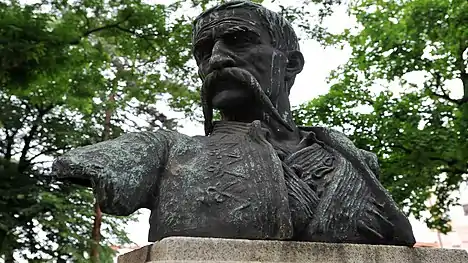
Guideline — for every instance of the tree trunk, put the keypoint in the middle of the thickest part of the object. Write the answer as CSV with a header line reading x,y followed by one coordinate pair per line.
x,y
96,233
9,258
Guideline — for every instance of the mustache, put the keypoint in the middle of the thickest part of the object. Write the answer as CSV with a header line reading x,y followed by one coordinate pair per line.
x,y
241,76
246,80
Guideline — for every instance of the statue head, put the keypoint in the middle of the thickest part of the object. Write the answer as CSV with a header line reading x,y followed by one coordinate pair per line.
x,y
248,58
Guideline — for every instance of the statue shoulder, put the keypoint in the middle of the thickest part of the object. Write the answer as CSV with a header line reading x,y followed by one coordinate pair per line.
x,y
326,134
338,140
179,143
169,137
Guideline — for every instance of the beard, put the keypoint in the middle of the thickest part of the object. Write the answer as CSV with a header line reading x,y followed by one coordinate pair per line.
x,y
236,78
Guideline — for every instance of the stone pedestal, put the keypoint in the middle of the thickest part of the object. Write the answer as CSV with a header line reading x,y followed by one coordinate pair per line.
x,y
210,250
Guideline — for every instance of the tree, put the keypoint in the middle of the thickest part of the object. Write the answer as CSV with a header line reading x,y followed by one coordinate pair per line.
x,y
403,94
59,63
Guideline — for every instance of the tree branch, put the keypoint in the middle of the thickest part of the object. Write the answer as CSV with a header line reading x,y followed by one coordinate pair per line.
x,y
447,97
462,67
449,162
453,170
49,151
89,32
127,30
145,37
40,162
444,94
22,164
94,30
10,139
371,103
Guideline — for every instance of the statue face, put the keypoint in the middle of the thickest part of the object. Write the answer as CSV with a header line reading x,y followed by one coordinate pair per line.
x,y
237,62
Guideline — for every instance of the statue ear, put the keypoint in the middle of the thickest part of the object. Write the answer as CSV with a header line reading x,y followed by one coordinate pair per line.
x,y
295,64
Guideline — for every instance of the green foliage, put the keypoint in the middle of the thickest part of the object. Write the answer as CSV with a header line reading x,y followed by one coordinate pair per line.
x,y
61,62
307,16
393,98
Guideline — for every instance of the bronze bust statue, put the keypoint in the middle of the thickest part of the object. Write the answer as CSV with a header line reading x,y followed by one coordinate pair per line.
x,y
255,174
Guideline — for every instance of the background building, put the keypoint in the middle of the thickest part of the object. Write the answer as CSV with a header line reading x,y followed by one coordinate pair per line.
x,y
458,238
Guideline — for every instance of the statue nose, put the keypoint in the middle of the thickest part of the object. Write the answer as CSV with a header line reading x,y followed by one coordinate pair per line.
x,y
220,57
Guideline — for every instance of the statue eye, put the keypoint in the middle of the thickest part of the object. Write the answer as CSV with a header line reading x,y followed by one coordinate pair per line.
x,y
203,50
237,38
204,55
